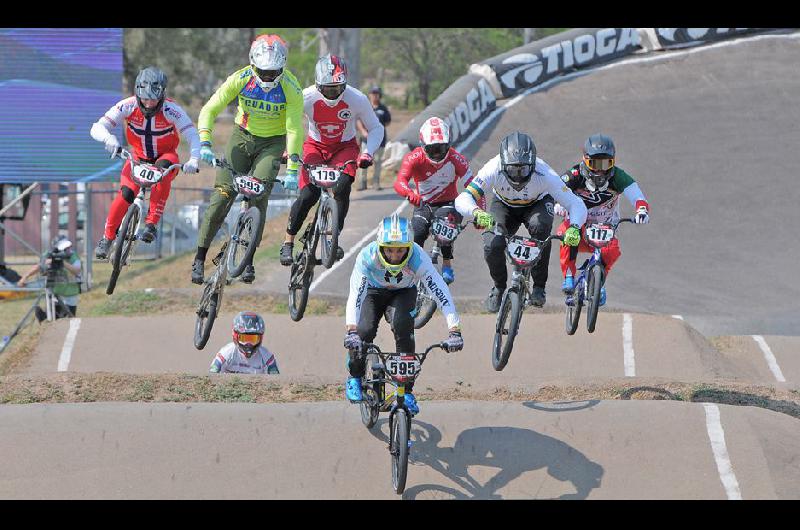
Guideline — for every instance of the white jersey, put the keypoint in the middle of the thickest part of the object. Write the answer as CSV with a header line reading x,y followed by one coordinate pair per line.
x,y
332,125
544,181
230,360
369,272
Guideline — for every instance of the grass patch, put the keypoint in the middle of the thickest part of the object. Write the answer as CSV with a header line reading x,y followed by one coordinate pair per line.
x,y
128,303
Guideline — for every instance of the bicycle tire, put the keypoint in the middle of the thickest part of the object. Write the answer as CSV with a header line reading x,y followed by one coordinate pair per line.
x,y
573,315
206,315
248,226
509,308
329,245
299,287
370,406
595,282
122,247
425,307
398,448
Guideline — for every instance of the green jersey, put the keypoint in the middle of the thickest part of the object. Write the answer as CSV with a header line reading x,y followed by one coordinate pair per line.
x,y
262,113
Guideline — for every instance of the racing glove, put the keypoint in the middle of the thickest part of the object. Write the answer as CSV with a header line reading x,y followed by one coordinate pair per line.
x,y
414,198
642,212
112,144
192,166
572,237
454,342
290,180
364,160
483,219
207,155
352,341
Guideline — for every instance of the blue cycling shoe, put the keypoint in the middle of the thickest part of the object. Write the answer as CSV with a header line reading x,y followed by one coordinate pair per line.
x,y
602,296
353,390
411,403
448,275
568,285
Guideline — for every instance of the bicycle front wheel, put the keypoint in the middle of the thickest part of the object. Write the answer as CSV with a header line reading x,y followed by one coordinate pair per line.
x,y
573,315
206,314
373,393
126,237
243,241
299,284
398,448
506,329
595,282
426,307
329,232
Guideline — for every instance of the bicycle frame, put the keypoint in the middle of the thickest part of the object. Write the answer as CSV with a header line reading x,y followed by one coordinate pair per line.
x,y
521,274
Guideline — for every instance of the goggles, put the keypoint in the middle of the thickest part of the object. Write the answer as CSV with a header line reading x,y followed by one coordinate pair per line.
x,y
515,172
251,339
268,75
437,151
331,91
599,164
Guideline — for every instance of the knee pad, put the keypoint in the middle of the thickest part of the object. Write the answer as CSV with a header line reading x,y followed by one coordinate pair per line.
x,y
127,194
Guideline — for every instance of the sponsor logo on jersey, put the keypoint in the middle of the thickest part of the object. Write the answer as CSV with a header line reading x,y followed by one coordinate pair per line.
x,y
263,106
360,292
434,289
344,114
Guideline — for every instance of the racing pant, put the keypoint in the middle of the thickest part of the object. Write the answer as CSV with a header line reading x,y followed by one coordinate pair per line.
x,y
403,302
254,155
129,190
608,254
425,213
537,218
319,153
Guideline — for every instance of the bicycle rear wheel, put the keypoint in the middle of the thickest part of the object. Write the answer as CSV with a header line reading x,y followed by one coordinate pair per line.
x,y
425,307
243,241
511,312
329,222
299,284
574,312
126,236
595,282
398,448
206,314
373,393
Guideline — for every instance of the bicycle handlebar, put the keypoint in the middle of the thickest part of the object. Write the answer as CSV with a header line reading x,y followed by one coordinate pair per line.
x,y
370,347
124,154
312,166
221,162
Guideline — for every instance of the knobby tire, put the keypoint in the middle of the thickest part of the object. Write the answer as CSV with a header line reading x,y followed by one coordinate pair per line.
x,y
122,246
247,229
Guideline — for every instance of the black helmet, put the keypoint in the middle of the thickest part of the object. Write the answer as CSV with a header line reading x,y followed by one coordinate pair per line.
x,y
598,161
517,159
151,83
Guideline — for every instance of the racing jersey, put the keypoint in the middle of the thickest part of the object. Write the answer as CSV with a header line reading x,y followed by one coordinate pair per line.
x,y
230,360
149,138
369,272
264,114
337,124
435,182
544,181
603,206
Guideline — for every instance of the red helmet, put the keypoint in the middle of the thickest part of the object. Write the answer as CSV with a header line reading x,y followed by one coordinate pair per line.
x,y
435,137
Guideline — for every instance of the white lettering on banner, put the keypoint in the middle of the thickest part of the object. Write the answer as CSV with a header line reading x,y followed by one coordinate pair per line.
x,y
627,38
667,33
605,41
697,33
473,105
487,95
673,35
566,48
462,115
584,48
551,55
455,133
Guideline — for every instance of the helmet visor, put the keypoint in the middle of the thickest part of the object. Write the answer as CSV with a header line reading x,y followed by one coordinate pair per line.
x,y
251,339
150,90
599,164
268,75
331,91
518,172
437,152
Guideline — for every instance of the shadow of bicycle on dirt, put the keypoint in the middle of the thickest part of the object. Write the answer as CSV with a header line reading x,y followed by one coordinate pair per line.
x,y
512,450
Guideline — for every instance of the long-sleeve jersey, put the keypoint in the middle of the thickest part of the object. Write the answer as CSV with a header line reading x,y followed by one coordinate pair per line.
x,y
544,181
333,125
603,206
262,113
434,181
149,138
368,272
230,360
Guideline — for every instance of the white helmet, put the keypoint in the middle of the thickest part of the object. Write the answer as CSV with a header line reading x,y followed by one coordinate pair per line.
x,y
330,76
268,58
435,137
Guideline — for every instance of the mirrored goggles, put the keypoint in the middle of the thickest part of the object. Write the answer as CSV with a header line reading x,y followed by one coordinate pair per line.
x,y
518,171
249,338
599,164
268,75
331,91
436,151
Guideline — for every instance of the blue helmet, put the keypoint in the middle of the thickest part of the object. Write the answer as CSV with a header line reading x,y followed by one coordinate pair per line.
x,y
394,231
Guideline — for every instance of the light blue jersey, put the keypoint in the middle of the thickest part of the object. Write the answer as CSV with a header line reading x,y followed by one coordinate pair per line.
x,y
369,272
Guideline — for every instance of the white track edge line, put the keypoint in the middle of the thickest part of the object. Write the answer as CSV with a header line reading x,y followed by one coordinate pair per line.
x,y
69,343
717,437
627,345
772,362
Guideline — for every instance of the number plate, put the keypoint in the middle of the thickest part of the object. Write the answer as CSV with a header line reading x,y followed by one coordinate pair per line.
x,y
522,250
324,176
599,234
402,367
444,231
146,174
249,186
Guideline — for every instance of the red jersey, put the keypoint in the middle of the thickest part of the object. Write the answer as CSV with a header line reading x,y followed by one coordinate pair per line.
x,y
435,182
